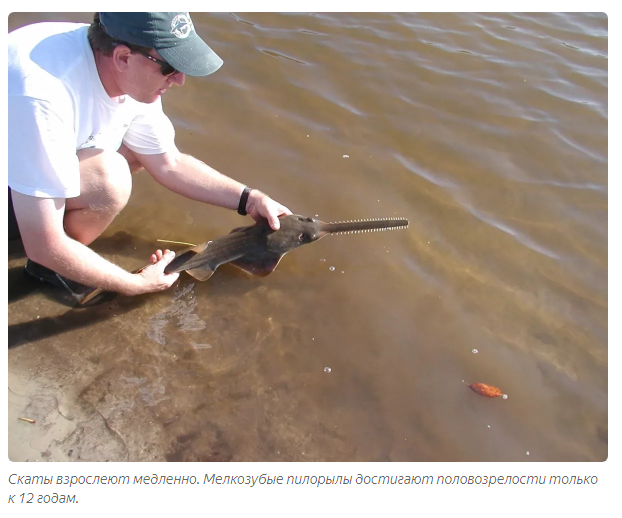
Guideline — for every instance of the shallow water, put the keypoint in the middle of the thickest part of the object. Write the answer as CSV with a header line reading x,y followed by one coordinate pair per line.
x,y
488,132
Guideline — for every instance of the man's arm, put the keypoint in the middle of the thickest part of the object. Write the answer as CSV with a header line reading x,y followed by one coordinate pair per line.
x,y
45,241
196,180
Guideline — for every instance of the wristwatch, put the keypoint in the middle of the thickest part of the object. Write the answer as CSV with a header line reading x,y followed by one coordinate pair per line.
x,y
243,200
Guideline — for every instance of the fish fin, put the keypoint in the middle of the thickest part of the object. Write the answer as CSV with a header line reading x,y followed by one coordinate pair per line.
x,y
197,249
260,266
183,256
202,273
262,223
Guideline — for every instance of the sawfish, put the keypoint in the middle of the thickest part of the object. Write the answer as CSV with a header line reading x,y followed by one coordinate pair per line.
x,y
258,249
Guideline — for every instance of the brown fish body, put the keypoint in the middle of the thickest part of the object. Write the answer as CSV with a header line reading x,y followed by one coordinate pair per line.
x,y
486,390
258,249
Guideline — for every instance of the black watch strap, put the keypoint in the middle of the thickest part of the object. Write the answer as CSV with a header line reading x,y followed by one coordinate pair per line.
x,y
243,200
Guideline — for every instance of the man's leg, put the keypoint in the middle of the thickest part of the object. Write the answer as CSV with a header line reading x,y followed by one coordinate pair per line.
x,y
129,155
105,188
13,228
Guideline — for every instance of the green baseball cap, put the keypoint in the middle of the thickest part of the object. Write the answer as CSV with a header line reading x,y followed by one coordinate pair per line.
x,y
171,34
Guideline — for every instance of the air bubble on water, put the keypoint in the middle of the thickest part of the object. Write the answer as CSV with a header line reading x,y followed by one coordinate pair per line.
x,y
505,396
327,369
322,260
332,268
474,351
346,156
526,453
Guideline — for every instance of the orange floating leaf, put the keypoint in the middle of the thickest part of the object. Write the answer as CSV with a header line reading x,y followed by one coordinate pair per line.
x,y
486,390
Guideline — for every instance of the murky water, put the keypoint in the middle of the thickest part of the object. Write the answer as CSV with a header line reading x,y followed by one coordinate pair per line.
x,y
488,132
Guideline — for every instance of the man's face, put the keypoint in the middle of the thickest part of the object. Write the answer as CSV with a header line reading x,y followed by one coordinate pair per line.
x,y
143,79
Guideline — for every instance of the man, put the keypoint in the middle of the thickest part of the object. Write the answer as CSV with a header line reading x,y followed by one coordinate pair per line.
x,y
85,112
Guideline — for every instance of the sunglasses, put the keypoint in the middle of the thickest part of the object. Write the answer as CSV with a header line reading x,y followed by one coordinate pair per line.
x,y
166,69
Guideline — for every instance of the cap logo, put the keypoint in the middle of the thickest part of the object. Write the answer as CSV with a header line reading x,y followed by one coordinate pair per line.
x,y
181,26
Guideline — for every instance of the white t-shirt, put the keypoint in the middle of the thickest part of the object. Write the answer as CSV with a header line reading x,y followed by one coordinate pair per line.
x,y
58,105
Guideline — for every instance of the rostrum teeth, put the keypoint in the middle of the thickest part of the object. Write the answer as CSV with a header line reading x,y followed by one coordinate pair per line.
x,y
400,226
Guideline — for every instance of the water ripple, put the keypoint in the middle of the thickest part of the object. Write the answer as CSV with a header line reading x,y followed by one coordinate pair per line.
x,y
579,147
507,229
425,173
283,56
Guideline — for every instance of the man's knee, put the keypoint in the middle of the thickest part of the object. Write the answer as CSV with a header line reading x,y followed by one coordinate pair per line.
x,y
105,179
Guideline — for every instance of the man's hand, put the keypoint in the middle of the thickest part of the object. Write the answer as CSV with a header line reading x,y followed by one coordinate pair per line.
x,y
152,278
260,205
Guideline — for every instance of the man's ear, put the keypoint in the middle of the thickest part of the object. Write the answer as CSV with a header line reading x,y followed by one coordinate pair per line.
x,y
120,57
